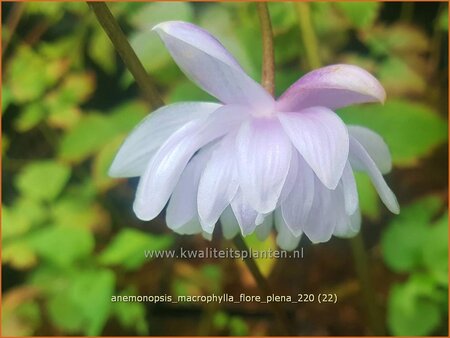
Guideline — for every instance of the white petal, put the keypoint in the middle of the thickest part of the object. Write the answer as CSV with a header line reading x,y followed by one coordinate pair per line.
x,y
244,213
166,166
206,62
145,139
361,159
349,228
349,189
182,206
230,226
374,145
218,183
207,236
263,230
190,228
263,157
285,239
297,206
322,139
321,220
334,86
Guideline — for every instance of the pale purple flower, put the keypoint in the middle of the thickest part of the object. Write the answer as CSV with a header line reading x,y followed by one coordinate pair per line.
x,y
253,161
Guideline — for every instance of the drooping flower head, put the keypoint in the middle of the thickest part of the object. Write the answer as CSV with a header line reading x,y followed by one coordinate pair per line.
x,y
250,160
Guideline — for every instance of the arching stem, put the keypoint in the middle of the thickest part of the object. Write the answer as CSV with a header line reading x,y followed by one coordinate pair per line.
x,y
129,57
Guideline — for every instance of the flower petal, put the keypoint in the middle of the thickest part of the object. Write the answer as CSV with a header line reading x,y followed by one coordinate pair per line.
x,y
263,230
321,138
297,206
166,166
190,228
244,213
374,145
263,157
206,62
334,86
218,183
321,220
359,158
230,225
182,206
138,148
285,239
350,227
349,189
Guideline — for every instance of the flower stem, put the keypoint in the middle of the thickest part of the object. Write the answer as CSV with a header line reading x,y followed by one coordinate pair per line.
x,y
308,35
372,310
268,66
122,46
263,285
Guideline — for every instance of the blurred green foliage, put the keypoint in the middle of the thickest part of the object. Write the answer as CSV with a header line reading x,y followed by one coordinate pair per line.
x,y
416,243
69,238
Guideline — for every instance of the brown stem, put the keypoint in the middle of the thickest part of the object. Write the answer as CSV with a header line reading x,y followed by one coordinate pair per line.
x,y
129,57
362,271
268,66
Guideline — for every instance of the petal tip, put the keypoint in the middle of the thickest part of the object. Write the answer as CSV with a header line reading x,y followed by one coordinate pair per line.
x,y
165,25
142,211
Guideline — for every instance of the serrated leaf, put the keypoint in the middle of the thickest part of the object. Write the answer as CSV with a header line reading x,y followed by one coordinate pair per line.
x,y
402,243
411,311
129,245
43,180
62,245
82,303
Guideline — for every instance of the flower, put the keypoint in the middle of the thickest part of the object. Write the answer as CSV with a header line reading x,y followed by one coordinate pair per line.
x,y
253,161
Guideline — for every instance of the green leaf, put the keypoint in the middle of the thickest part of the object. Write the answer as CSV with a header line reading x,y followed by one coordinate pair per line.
x,y
101,50
283,16
94,131
369,202
43,180
82,302
131,315
435,250
22,216
30,116
102,162
153,13
7,98
62,245
77,211
254,243
19,255
361,15
411,308
24,81
402,243
145,43
443,20
129,245
411,130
